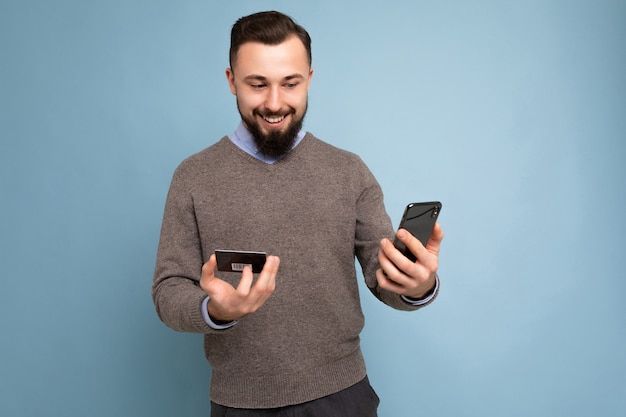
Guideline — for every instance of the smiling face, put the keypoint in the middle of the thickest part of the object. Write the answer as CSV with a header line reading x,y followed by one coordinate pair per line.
x,y
271,83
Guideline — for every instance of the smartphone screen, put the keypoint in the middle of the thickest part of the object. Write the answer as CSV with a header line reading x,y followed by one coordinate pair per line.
x,y
419,219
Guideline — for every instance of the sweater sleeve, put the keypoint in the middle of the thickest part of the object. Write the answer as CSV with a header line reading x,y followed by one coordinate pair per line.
x,y
373,224
176,288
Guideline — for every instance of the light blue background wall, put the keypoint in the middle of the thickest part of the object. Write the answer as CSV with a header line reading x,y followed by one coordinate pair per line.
x,y
511,113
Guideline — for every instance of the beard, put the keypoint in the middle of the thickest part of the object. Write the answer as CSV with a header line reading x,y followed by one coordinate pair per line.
x,y
278,142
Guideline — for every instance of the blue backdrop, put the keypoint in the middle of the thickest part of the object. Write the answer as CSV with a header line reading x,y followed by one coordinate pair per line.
x,y
511,113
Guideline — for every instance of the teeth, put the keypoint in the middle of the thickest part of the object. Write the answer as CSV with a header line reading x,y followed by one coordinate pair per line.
x,y
275,119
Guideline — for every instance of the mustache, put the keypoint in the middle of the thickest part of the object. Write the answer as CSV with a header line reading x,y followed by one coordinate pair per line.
x,y
291,110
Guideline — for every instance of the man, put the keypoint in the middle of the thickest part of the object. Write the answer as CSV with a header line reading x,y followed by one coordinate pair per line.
x,y
285,341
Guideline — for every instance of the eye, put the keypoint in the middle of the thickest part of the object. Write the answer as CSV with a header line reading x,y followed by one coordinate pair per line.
x,y
257,86
291,85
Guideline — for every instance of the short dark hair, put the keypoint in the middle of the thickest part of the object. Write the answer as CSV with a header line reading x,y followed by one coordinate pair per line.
x,y
269,28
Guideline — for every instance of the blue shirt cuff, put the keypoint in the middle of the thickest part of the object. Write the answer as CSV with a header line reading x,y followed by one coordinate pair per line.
x,y
425,300
210,322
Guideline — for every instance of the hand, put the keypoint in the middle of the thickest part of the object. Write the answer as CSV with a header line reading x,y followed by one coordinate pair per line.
x,y
399,274
227,303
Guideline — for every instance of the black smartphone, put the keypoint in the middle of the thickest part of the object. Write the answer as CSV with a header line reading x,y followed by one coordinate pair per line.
x,y
235,261
419,219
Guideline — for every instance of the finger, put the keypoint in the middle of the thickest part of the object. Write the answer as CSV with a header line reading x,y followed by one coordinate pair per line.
x,y
387,283
257,294
431,259
412,243
267,277
434,243
388,267
246,281
271,265
209,266
208,271
394,264
399,260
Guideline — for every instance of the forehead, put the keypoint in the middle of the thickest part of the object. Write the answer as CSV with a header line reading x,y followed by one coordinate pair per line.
x,y
288,57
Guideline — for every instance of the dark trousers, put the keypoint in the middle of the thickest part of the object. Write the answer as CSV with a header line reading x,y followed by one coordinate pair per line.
x,y
359,400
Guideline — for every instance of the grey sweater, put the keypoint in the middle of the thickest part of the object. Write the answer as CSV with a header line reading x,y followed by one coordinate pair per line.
x,y
317,208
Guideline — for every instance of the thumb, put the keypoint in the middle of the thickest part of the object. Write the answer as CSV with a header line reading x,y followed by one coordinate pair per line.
x,y
208,272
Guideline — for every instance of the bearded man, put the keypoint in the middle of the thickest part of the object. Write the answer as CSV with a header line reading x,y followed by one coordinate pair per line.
x,y
284,342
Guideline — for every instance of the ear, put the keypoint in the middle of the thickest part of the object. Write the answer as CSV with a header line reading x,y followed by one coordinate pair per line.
x,y
309,80
230,76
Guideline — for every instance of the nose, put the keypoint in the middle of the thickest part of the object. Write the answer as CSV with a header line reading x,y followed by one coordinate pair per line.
x,y
273,99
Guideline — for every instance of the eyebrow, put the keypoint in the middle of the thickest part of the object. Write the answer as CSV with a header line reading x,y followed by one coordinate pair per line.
x,y
255,77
